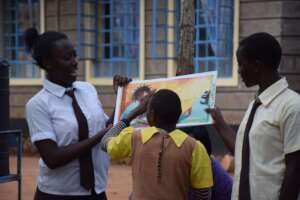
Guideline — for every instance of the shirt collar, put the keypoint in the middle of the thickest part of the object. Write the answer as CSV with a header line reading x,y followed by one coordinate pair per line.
x,y
54,88
177,136
267,96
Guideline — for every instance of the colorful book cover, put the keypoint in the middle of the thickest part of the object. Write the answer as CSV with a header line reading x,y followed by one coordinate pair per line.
x,y
196,91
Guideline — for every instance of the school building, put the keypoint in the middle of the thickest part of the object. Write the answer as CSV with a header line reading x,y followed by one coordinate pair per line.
x,y
140,39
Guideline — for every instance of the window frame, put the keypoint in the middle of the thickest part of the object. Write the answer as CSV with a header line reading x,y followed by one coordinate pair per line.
x,y
109,80
224,82
171,50
32,81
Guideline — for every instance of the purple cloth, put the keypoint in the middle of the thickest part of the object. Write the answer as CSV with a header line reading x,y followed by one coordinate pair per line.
x,y
222,182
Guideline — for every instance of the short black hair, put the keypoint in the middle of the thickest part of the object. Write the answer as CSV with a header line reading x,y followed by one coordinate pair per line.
x,y
41,45
166,105
262,47
139,91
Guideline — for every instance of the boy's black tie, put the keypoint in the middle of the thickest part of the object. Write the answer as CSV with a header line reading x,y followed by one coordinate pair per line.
x,y
87,179
244,189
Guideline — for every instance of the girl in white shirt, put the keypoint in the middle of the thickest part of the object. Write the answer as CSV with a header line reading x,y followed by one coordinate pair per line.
x,y
55,126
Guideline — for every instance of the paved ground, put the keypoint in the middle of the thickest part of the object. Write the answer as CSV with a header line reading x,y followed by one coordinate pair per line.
x,y
119,182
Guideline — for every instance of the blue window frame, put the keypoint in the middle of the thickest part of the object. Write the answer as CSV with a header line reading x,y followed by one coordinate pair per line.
x,y
214,36
114,36
213,33
18,16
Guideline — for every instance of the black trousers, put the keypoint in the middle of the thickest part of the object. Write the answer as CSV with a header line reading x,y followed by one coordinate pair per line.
x,y
39,195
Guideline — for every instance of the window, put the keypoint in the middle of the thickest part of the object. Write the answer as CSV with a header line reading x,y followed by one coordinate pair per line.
x,y
18,15
214,35
214,21
111,32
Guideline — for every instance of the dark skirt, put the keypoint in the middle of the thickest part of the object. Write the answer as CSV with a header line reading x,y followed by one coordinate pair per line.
x,y
39,195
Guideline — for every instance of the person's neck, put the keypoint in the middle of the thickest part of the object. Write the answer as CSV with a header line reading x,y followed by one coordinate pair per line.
x,y
267,81
59,81
167,127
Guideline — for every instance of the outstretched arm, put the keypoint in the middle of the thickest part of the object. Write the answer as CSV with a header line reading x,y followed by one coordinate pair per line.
x,y
117,141
43,136
55,156
226,132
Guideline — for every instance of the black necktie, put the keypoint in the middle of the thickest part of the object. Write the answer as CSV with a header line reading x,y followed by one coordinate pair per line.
x,y
87,179
244,190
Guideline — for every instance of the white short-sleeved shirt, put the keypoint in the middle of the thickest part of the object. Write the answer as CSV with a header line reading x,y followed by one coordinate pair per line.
x,y
50,115
275,132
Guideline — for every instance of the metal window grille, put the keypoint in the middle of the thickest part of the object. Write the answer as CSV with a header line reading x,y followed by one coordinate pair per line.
x,y
109,35
18,16
214,36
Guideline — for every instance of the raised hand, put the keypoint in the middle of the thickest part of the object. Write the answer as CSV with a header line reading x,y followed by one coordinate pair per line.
x,y
216,115
226,132
120,81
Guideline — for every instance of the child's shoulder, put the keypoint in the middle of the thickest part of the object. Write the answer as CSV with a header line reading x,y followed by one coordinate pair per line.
x,y
191,140
183,138
184,134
